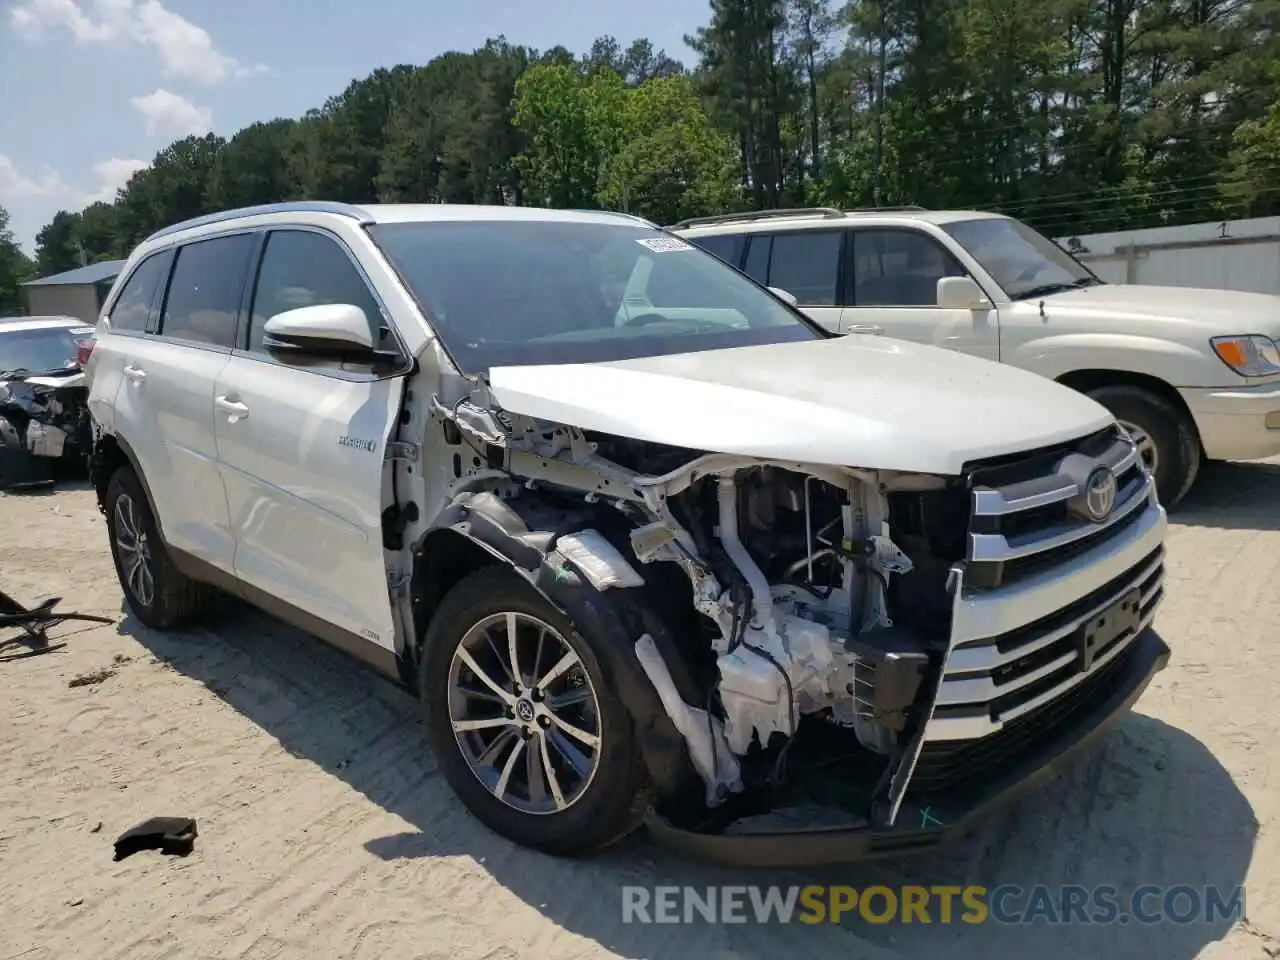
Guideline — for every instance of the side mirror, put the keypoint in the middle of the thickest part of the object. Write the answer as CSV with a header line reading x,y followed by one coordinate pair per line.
x,y
784,295
961,293
338,331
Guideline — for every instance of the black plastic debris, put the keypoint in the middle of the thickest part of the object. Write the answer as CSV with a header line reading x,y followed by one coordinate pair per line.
x,y
35,623
175,836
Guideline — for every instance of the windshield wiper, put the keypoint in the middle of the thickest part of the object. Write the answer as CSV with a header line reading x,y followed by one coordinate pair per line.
x,y
14,373
1044,289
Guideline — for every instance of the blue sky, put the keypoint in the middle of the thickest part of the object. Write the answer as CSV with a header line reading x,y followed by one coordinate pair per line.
x,y
94,88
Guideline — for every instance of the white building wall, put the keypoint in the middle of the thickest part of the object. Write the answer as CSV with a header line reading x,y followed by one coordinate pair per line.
x,y
1233,255
64,300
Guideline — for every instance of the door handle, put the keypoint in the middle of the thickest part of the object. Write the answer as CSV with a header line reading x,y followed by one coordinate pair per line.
x,y
234,409
871,328
134,374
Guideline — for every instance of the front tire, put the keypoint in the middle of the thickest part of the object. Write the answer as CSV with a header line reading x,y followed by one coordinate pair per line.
x,y
1165,435
158,594
520,720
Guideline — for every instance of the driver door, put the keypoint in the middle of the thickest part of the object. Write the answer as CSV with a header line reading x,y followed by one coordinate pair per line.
x,y
894,275
300,448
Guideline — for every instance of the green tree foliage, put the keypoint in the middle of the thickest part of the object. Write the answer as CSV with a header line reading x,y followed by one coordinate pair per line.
x,y
1077,116
15,269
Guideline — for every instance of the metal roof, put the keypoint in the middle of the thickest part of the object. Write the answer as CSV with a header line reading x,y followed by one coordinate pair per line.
x,y
93,273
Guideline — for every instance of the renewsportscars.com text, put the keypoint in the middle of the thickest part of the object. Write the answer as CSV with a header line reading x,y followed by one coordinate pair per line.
x,y
1006,904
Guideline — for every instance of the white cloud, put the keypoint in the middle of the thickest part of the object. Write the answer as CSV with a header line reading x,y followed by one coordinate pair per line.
x,y
14,185
185,49
33,199
112,175
169,114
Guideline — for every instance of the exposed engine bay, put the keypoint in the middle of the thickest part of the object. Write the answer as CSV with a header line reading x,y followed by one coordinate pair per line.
x,y
794,600
44,425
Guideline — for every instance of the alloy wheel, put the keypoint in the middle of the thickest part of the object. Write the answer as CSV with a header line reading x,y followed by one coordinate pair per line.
x,y
1146,446
133,551
524,713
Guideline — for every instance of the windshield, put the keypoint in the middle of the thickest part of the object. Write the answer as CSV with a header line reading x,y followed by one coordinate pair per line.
x,y
47,350
543,291
1024,262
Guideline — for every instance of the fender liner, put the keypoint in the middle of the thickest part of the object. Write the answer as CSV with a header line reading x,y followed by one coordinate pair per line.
x,y
523,532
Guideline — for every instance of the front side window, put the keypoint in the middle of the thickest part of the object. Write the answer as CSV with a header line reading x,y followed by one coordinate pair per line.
x,y
47,350
132,307
551,291
206,289
899,268
301,268
1025,263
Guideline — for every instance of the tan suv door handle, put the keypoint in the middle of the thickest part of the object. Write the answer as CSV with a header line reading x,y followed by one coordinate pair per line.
x,y
232,408
135,374
866,328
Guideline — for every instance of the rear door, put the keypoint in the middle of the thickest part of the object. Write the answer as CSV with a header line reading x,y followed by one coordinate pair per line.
x,y
301,448
164,406
808,264
893,275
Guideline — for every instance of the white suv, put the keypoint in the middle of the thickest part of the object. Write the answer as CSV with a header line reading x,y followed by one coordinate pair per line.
x,y
635,530
1190,373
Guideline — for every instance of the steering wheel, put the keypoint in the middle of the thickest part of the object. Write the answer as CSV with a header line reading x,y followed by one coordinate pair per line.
x,y
641,319
1028,273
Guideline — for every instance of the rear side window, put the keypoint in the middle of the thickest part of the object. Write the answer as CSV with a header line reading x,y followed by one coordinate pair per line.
x,y
807,265
728,247
305,269
206,290
133,306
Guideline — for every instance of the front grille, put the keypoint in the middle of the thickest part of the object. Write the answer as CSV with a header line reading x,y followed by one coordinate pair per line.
x,y
994,681
955,769
1015,654
1025,515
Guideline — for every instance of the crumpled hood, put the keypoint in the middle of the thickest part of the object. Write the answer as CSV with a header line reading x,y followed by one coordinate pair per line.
x,y
1211,312
871,402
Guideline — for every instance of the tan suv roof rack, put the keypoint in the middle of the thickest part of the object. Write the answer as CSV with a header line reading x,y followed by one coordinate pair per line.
x,y
828,213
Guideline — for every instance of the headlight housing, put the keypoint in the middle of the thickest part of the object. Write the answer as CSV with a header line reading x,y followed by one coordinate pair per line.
x,y
1249,356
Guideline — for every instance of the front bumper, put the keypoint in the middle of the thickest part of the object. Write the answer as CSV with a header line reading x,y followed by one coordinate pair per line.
x,y
1241,423
1147,655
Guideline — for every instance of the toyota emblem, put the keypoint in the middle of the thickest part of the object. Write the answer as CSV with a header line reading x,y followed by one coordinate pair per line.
x,y
1100,494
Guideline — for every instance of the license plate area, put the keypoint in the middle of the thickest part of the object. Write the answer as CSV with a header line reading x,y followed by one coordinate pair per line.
x,y
1095,636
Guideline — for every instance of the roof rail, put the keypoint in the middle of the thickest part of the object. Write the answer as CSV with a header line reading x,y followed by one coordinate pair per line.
x,y
904,208
292,206
827,212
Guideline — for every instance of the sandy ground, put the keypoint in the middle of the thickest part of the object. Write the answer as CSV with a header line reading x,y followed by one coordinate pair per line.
x,y
325,830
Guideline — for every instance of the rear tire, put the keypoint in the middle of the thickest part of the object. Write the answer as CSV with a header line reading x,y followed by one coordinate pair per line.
x,y
158,594
1163,430
490,763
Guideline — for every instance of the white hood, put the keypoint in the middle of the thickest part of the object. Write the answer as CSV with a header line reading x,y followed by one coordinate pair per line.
x,y
1190,311
869,402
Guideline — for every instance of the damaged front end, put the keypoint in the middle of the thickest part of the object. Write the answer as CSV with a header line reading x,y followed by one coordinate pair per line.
x,y
44,426
826,662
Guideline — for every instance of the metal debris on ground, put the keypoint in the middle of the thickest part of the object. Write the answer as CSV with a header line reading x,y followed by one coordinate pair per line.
x,y
35,624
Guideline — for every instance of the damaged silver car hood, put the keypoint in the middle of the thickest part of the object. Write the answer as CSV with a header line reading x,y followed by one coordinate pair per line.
x,y
858,401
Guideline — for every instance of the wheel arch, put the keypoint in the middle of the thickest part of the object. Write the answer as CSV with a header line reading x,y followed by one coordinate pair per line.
x,y
110,453
479,530
1087,380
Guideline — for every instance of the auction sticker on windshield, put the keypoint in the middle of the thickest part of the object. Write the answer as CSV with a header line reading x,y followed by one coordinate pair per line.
x,y
664,244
